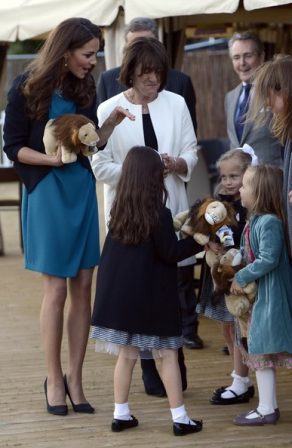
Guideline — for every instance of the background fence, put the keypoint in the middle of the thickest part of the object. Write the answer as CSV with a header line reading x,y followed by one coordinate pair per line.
x,y
211,73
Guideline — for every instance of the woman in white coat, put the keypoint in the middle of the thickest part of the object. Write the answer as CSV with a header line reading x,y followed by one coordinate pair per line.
x,y
162,122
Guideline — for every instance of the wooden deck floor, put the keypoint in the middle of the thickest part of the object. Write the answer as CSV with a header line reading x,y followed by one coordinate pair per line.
x,y
25,423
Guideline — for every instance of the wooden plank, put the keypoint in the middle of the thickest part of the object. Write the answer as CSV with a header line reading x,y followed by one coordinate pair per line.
x,y
25,423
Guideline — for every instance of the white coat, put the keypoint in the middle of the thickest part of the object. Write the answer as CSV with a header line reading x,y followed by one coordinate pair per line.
x,y
175,136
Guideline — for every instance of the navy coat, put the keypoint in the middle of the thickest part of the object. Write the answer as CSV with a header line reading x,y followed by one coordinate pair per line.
x,y
20,131
137,286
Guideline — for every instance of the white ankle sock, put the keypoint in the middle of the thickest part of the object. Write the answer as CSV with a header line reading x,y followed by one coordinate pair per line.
x,y
122,411
239,386
179,415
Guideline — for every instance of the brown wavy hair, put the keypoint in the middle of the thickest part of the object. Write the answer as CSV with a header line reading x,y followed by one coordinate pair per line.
x,y
273,77
267,184
140,196
45,71
150,55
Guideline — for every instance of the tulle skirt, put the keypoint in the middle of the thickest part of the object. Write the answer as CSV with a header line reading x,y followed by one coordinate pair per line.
x,y
134,345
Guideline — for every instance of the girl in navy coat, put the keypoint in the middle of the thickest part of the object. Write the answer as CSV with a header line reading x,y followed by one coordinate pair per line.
x,y
265,247
136,311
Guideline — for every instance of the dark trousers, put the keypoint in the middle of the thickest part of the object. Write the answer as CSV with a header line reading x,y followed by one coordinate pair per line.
x,y
187,299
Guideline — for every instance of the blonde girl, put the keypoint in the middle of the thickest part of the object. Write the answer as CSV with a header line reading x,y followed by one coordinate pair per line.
x,y
232,166
265,247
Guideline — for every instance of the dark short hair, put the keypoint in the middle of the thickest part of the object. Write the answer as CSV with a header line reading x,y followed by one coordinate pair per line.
x,y
142,24
246,35
150,54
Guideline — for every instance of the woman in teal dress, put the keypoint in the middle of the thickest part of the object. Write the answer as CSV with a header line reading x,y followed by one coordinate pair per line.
x,y
59,211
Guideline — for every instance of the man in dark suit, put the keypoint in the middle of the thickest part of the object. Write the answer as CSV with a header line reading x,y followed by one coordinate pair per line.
x,y
178,82
247,54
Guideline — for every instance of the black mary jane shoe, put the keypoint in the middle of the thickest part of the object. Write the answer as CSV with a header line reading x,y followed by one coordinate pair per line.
x,y
221,390
61,409
243,398
182,429
83,408
120,425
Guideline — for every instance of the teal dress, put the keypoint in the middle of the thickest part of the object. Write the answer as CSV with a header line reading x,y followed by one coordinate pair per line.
x,y
270,329
60,216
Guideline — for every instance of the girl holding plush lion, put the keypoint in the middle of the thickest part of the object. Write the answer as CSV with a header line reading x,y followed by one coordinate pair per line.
x,y
59,208
138,313
231,166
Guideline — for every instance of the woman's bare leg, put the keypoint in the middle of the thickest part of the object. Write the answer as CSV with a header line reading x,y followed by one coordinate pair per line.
x,y
78,324
51,323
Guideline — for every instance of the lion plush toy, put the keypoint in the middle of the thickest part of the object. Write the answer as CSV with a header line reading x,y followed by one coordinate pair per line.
x,y
74,132
223,272
204,219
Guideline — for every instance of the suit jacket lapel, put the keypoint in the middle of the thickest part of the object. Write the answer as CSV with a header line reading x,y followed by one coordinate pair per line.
x,y
247,128
233,103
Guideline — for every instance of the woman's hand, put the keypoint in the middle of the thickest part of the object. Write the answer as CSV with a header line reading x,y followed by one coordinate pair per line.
x,y
31,157
173,165
236,288
118,115
115,118
58,158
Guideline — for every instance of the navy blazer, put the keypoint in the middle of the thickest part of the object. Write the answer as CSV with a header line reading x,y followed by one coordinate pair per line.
x,y
177,82
20,131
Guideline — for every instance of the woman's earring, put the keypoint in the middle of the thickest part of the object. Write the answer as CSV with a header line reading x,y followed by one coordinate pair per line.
x,y
131,81
66,62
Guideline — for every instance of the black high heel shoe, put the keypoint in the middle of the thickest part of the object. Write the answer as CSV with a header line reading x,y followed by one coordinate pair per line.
x,y
55,410
83,408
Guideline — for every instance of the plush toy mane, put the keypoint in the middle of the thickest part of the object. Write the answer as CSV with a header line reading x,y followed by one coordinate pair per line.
x,y
66,127
196,213
223,275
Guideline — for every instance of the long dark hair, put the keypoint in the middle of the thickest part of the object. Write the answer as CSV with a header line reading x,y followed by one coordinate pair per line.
x,y
45,71
140,195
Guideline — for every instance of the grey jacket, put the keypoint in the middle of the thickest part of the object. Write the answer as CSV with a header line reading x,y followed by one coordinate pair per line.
x,y
265,145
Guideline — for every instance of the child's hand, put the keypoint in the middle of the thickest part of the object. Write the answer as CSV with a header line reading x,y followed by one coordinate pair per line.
x,y
217,248
236,288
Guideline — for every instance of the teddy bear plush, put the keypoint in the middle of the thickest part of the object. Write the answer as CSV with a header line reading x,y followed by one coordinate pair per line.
x,y
74,132
223,272
204,219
